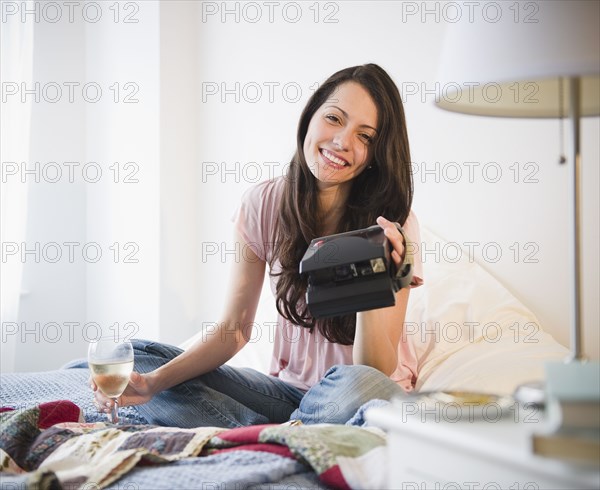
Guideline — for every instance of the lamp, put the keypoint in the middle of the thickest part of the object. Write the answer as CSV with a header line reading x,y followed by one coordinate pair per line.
x,y
543,63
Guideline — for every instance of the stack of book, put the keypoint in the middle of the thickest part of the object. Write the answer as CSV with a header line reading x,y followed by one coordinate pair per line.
x,y
572,413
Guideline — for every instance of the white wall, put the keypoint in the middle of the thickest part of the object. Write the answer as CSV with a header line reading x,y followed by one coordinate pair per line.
x,y
197,150
523,215
108,209
123,132
178,188
53,304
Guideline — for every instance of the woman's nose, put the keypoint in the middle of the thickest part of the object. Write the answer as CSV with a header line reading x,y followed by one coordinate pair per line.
x,y
341,139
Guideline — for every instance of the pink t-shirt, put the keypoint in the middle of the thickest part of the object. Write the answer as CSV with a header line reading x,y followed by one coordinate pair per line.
x,y
299,357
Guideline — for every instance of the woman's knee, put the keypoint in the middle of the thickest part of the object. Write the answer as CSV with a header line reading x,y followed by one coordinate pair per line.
x,y
149,355
360,383
354,373
342,391
144,346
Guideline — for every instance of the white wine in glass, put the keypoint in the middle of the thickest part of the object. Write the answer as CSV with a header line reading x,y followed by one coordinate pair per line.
x,y
111,363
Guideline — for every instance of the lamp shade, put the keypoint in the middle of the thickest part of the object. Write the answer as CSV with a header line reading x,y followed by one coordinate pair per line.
x,y
515,64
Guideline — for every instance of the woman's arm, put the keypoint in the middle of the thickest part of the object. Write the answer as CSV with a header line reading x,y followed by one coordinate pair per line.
x,y
218,347
232,333
378,331
378,334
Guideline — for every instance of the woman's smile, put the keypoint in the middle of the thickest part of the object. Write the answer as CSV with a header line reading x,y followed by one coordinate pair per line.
x,y
336,146
333,160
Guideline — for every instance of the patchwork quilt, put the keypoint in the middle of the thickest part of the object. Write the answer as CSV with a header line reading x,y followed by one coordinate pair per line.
x,y
50,446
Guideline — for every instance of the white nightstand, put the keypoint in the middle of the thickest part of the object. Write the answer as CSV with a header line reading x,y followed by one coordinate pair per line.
x,y
433,450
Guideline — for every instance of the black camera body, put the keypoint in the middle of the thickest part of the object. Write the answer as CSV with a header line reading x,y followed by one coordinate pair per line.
x,y
353,271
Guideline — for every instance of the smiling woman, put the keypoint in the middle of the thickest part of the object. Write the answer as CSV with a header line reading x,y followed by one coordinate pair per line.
x,y
352,165
337,142
351,169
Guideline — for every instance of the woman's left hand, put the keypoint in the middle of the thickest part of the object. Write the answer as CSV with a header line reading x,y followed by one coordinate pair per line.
x,y
395,238
379,331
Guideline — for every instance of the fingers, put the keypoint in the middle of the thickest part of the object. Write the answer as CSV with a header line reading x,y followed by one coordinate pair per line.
x,y
395,238
388,226
102,403
134,394
104,407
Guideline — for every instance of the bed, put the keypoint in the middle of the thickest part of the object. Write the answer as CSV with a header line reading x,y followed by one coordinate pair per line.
x,y
468,333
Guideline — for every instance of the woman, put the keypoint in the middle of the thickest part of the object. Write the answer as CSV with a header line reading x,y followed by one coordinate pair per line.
x,y
350,170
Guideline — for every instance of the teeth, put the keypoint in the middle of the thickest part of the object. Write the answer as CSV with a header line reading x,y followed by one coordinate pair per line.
x,y
334,159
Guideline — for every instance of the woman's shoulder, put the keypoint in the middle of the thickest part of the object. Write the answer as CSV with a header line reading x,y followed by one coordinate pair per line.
x,y
411,221
265,192
412,232
411,228
260,204
255,217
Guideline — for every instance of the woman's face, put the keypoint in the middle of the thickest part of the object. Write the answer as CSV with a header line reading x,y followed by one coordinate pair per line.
x,y
337,141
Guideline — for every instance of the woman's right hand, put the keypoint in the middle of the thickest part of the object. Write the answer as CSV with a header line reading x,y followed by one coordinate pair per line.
x,y
138,392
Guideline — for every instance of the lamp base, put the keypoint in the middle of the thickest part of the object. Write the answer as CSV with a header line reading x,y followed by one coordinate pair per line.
x,y
573,380
573,397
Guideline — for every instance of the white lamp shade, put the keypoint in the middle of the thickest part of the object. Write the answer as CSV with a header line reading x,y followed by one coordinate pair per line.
x,y
512,65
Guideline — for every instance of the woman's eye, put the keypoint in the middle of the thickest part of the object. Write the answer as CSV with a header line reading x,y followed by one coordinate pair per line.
x,y
367,138
332,118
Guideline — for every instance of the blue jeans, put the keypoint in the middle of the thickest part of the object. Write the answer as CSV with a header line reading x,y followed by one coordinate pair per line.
x,y
234,397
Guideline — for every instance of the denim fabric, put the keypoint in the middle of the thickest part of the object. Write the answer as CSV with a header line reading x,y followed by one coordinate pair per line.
x,y
234,397
341,392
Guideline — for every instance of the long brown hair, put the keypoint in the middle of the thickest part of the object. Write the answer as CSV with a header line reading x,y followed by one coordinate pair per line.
x,y
386,189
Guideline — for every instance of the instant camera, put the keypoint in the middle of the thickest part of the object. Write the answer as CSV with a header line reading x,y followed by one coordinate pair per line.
x,y
353,271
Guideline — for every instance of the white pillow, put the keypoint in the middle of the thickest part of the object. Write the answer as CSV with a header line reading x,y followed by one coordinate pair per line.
x,y
470,333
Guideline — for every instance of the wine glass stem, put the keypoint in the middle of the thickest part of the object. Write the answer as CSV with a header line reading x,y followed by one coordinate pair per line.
x,y
114,414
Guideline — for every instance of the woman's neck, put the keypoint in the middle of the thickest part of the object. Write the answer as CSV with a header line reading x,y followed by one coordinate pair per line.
x,y
332,203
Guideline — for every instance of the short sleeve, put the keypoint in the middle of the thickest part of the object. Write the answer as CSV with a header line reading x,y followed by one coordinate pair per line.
x,y
413,246
255,215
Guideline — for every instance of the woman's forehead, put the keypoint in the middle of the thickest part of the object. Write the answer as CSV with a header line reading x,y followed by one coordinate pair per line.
x,y
354,100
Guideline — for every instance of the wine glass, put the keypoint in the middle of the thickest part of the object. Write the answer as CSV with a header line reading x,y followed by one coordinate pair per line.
x,y
111,362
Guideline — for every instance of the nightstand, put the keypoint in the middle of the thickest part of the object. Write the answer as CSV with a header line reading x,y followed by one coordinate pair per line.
x,y
439,450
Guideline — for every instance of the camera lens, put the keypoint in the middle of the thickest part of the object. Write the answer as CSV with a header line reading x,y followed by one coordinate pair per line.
x,y
344,272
